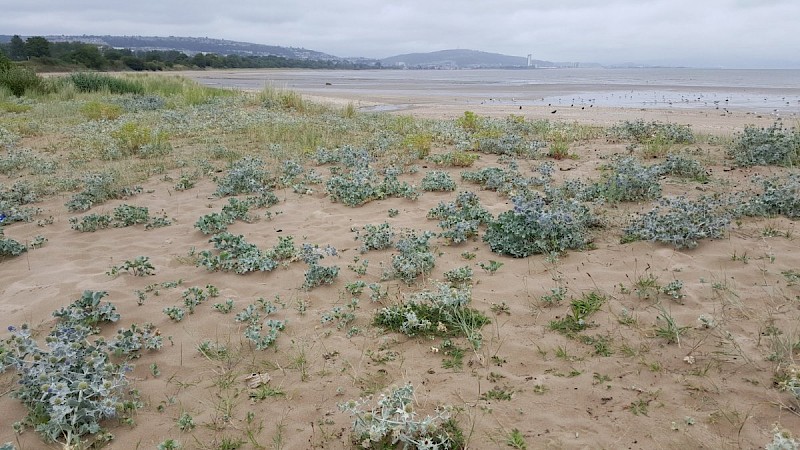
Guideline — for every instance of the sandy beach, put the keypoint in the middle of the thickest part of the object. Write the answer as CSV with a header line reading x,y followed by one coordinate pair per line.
x,y
715,388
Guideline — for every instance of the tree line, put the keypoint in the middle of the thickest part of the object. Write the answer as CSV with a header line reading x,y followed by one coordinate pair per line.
x,y
43,53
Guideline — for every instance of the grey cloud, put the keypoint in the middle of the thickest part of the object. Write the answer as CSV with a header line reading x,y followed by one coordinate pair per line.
x,y
710,32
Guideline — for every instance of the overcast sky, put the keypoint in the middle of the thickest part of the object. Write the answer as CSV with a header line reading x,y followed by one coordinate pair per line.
x,y
706,33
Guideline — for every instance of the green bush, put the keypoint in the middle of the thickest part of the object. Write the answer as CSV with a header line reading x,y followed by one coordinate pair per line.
x,y
19,79
96,82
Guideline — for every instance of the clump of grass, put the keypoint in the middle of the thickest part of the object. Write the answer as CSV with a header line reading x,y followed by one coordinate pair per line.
x,y
95,110
272,98
580,310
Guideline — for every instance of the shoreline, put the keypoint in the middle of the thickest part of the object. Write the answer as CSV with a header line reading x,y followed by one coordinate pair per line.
x,y
443,99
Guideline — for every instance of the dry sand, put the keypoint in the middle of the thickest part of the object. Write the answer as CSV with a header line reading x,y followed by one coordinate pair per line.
x,y
714,390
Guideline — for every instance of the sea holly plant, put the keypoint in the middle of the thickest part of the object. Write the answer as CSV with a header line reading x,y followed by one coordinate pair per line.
x,y
10,247
123,216
437,180
131,341
628,181
99,187
682,222
71,386
394,420
374,237
318,274
537,226
359,184
245,176
236,209
235,254
774,145
777,196
414,258
262,334
461,219
88,310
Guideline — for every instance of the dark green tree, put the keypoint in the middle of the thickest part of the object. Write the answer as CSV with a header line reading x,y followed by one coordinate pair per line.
x,y
88,55
133,63
37,47
5,63
16,48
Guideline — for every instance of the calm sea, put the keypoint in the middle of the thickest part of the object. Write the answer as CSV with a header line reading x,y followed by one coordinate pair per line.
x,y
776,91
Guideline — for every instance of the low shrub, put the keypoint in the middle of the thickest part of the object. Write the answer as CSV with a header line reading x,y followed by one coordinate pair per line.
x,y
72,387
461,219
437,180
773,145
414,258
535,226
19,80
394,421
681,222
643,132
779,196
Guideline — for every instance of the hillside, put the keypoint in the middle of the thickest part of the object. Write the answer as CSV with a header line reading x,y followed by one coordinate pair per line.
x,y
192,45
459,59
442,59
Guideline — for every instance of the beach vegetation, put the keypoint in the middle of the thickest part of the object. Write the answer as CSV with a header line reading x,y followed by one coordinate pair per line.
x,y
375,237
414,257
536,226
773,145
437,180
682,222
394,420
72,388
456,158
460,220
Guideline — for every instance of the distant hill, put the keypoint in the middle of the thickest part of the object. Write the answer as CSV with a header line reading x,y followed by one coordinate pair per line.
x,y
192,45
460,59
443,59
